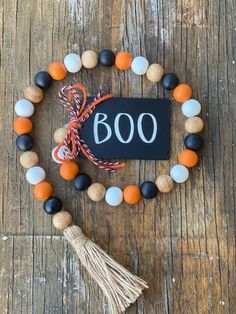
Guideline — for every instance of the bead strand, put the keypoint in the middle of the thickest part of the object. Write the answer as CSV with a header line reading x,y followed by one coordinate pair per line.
x,y
132,194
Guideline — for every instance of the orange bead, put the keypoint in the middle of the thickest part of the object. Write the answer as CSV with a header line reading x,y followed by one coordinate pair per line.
x,y
123,60
182,93
22,125
132,194
69,170
57,70
43,190
188,158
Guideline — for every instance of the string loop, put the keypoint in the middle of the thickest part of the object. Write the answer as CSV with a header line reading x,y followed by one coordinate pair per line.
x,y
79,112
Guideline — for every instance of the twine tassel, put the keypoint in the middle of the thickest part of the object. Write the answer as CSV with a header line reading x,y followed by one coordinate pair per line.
x,y
121,287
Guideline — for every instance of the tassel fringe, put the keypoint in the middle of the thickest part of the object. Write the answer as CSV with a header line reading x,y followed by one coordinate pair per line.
x,y
120,286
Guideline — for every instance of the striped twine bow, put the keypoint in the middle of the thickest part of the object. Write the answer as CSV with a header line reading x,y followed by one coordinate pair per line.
x,y
79,113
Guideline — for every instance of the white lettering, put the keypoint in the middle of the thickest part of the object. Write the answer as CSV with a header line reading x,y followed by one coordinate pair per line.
x,y
95,128
100,121
117,128
140,128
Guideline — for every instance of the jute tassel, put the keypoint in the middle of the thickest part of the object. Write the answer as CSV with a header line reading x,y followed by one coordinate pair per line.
x,y
120,286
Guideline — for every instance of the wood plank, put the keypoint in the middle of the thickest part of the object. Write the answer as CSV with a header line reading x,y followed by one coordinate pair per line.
x,y
40,274
182,243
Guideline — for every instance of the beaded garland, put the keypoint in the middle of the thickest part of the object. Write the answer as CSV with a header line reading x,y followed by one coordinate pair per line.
x,y
69,169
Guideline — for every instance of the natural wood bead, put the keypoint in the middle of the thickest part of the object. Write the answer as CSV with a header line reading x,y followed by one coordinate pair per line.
x,y
164,183
96,192
155,72
89,59
34,94
29,159
60,135
194,125
62,219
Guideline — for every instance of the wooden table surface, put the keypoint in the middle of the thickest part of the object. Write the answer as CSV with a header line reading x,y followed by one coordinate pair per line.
x,y
183,243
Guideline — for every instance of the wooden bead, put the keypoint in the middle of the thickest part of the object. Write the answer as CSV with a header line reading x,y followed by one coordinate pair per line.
x,y
114,196
43,191
69,170
63,153
179,173
170,81
57,70
43,79
164,183
96,192
24,142
194,125
81,182
62,219
72,63
52,205
35,175
107,58
191,108
182,93
188,158
34,94
139,65
123,60
60,135
89,59
29,159
155,72
132,194
148,189
193,141
24,108
22,125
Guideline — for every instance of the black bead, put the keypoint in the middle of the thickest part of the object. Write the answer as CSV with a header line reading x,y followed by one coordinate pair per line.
x,y
148,189
43,79
107,58
81,182
24,142
193,141
52,205
170,81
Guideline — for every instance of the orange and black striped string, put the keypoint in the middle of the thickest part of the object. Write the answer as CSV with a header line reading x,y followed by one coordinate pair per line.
x,y
79,112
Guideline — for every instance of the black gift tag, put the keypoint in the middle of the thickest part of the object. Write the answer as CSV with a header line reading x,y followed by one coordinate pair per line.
x,y
129,128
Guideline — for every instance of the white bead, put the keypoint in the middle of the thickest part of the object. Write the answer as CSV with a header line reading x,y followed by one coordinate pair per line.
x,y
191,108
62,153
73,63
24,108
35,175
179,173
114,196
139,65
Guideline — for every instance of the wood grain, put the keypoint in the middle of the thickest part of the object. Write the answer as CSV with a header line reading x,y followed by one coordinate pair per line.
x,y
182,243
